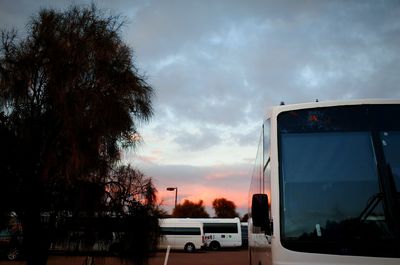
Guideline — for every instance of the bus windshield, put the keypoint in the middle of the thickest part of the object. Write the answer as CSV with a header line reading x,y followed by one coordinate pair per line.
x,y
340,180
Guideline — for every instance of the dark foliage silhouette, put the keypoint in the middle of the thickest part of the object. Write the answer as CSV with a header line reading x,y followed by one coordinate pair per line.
x,y
189,209
224,208
70,99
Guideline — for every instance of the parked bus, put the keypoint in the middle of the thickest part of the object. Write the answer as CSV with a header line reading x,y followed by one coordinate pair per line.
x,y
222,232
326,182
181,234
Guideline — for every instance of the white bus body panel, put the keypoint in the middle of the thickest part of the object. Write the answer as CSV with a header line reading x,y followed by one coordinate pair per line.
x,y
225,240
179,242
282,256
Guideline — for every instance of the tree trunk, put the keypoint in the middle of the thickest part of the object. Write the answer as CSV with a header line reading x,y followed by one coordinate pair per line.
x,y
36,239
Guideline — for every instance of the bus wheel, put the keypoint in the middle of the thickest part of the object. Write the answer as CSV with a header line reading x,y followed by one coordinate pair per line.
x,y
215,246
189,247
12,254
115,249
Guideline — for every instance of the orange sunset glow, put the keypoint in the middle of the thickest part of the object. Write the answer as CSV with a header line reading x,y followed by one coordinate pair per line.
x,y
206,194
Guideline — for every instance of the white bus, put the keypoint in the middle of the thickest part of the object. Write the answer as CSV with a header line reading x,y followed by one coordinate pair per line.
x,y
222,232
325,188
181,234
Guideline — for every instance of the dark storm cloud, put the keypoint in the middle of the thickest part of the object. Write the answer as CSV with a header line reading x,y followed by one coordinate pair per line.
x,y
224,62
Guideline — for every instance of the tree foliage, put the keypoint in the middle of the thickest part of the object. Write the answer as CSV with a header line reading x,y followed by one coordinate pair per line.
x,y
245,218
125,186
70,99
189,209
224,208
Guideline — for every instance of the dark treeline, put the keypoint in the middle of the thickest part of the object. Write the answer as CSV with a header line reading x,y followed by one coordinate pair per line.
x,y
223,208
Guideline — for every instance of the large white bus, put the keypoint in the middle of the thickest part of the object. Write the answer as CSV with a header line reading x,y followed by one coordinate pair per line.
x,y
222,232
181,234
325,188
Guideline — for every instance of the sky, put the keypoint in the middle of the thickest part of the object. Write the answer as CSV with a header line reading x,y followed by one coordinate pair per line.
x,y
216,66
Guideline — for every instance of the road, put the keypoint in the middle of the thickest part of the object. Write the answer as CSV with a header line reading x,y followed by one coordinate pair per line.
x,y
238,257
231,257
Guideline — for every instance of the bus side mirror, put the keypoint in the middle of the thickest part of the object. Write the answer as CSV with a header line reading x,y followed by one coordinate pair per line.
x,y
260,212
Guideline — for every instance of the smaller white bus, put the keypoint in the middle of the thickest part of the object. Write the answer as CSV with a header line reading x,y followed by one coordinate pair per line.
x,y
222,232
181,234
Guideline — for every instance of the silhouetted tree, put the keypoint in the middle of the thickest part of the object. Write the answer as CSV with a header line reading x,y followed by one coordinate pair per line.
x,y
224,208
124,201
70,99
245,218
8,165
189,209
126,185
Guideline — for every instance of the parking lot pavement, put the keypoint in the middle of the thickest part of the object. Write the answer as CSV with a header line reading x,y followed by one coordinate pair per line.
x,y
231,257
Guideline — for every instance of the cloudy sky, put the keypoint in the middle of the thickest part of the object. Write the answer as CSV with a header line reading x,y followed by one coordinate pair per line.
x,y
217,66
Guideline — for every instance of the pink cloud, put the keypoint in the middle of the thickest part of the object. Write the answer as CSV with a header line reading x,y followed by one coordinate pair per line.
x,y
201,183
148,159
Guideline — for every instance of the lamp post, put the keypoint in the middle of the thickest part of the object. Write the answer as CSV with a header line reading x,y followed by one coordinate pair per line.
x,y
176,192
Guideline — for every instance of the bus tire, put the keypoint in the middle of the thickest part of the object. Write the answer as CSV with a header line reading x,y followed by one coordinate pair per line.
x,y
214,245
12,254
115,249
189,247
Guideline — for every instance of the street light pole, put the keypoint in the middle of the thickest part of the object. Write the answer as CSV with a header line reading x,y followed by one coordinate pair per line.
x,y
176,192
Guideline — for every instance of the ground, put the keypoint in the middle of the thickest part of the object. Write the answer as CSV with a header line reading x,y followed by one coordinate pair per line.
x,y
231,257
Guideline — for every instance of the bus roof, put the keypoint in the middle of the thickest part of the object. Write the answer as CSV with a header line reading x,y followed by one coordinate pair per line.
x,y
274,111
